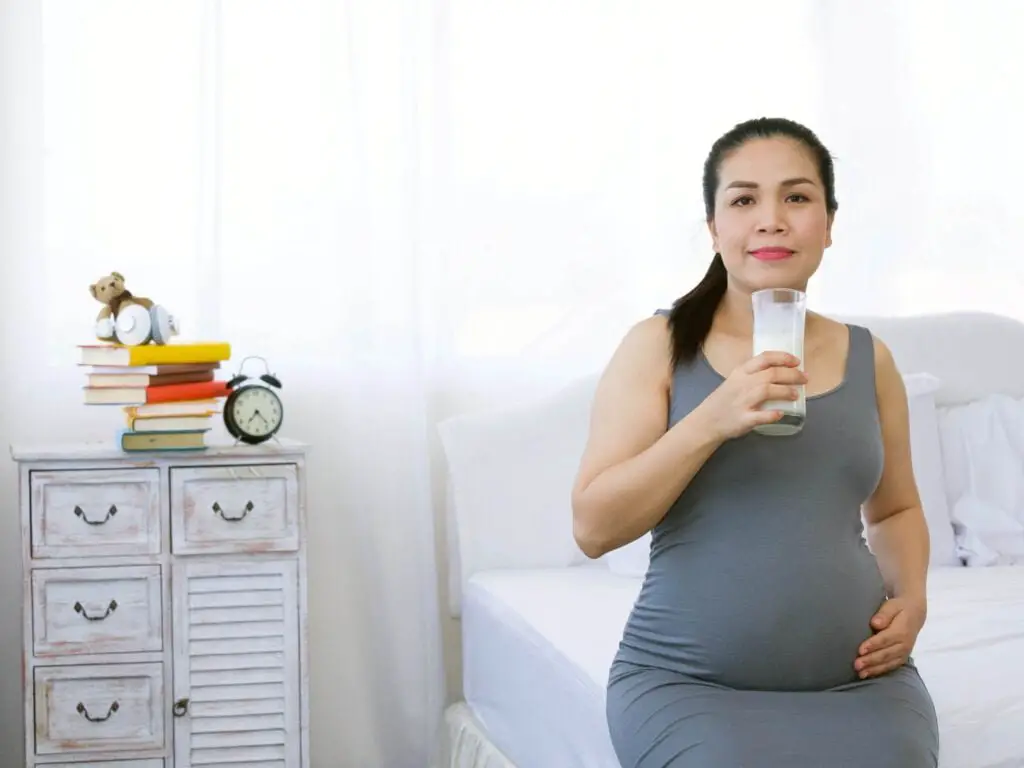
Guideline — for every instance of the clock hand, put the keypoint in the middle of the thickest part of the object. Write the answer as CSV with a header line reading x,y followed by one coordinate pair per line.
x,y
256,413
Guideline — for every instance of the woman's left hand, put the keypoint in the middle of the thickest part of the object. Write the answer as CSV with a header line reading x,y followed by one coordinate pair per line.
x,y
896,625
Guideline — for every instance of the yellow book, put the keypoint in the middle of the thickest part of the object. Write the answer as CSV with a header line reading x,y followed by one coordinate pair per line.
x,y
169,423
154,354
174,408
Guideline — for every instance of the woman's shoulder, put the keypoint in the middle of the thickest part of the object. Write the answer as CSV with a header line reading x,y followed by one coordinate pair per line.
x,y
838,332
883,363
647,346
651,337
882,354
829,326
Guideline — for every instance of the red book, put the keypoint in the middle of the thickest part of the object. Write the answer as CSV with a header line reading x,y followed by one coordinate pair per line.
x,y
197,390
166,393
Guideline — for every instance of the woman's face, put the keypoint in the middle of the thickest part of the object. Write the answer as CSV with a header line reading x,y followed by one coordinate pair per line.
x,y
770,224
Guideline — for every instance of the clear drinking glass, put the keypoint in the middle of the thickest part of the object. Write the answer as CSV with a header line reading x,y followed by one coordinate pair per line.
x,y
779,315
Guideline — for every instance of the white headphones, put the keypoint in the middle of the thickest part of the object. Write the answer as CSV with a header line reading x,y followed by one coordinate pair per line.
x,y
136,325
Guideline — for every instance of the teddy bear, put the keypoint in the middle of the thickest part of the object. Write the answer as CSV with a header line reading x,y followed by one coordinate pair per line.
x,y
126,318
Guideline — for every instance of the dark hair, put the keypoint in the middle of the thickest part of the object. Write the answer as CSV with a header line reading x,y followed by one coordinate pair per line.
x,y
691,316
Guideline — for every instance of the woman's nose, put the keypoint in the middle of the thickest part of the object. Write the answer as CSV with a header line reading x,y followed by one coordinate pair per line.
x,y
772,220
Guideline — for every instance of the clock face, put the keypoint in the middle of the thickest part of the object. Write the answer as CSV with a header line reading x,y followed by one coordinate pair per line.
x,y
257,412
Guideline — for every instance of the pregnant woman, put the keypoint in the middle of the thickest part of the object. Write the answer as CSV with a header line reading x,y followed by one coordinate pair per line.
x,y
766,633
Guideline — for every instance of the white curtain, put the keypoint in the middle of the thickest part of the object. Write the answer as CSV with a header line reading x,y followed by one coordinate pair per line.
x,y
411,209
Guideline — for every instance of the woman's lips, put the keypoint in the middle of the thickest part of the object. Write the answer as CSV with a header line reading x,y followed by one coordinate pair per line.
x,y
771,253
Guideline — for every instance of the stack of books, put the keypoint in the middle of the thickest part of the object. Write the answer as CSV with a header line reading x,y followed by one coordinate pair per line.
x,y
169,394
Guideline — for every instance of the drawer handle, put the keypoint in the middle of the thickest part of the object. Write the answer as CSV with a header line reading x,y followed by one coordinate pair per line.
x,y
85,712
245,511
110,513
79,608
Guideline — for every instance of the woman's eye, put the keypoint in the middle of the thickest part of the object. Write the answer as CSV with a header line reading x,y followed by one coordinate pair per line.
x,y
799,198
741,201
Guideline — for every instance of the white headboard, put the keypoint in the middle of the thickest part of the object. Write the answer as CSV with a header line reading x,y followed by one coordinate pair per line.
x,y
511,471
972,353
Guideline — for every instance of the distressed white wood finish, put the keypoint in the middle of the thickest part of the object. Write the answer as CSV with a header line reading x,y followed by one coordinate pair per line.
x,y
208,610
99,707
79,513
97,610
235,645
235,509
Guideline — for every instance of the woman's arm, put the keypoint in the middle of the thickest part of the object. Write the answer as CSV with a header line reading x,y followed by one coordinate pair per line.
x,y
897,532
632,469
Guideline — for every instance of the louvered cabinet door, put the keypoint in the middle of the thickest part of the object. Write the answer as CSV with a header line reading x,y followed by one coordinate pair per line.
x,y
236,664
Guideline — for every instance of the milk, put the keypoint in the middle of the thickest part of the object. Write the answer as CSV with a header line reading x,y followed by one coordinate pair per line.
x,y
779,326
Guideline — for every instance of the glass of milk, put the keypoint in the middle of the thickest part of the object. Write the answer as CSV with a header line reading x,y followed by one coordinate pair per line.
x,y
779,315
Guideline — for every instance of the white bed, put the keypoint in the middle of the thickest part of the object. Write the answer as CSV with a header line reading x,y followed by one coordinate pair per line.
x,y
538,644
541,624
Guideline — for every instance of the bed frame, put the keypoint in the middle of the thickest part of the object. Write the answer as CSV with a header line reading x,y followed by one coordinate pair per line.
x,y
464,742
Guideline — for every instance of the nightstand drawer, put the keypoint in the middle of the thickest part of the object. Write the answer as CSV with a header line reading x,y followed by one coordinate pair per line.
x,y
97,610
95,512
99,708
245,508
154,763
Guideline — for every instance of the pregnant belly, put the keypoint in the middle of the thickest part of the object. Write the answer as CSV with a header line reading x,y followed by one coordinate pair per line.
x,y
784,626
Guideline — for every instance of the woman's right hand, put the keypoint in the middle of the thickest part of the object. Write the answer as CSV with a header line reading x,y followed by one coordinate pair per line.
x,y
734,408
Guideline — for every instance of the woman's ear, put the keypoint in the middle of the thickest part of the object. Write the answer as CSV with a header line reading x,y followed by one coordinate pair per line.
x,y
714,235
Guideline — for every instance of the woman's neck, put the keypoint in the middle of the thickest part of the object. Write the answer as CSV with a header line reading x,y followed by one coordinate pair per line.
x,y
735,314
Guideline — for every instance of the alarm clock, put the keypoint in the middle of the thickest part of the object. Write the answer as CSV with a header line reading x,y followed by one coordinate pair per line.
x,y
253,412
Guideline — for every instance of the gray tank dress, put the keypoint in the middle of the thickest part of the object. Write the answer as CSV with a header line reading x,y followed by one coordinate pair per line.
x,y
739,650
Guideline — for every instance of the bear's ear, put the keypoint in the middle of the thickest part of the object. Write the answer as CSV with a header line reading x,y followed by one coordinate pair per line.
x,y
92,290
117,275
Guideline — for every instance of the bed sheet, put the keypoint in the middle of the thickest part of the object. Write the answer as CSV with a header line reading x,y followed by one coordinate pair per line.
x,y
537,645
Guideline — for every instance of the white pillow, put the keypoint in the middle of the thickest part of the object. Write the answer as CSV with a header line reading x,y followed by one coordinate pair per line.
x,y
983,449
926,455
633,558
510,475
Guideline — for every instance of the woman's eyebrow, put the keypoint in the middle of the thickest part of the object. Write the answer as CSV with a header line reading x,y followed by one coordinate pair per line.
x,y
755,185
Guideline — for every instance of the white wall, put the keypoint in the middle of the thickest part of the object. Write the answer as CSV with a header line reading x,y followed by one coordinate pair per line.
x,y
475,203
20,212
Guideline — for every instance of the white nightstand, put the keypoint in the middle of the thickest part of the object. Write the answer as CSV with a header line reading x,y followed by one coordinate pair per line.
x,y
165,619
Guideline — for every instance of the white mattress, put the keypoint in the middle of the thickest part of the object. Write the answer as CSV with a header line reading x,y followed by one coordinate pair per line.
x,y
537,646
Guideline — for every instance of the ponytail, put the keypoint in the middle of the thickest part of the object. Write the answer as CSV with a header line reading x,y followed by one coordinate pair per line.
x,y
692,314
